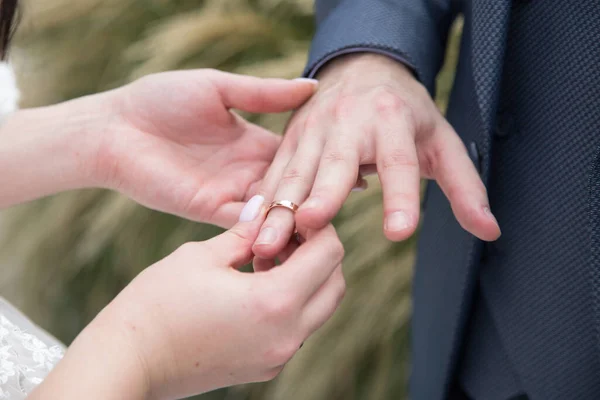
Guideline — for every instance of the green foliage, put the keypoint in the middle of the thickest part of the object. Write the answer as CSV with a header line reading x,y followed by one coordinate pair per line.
x,y
69,255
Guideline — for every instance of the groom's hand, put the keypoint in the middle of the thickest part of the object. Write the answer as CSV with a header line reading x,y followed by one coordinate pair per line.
x,y
370,111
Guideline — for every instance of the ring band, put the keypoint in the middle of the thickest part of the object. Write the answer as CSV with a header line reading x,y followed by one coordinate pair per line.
x,y
290,205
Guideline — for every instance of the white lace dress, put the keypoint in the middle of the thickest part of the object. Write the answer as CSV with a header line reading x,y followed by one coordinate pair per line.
x,y
27,352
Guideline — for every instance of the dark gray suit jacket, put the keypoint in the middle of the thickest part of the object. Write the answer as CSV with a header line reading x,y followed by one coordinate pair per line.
x,y
540,125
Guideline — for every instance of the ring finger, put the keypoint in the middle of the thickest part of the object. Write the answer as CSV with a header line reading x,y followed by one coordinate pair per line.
x,y
295,185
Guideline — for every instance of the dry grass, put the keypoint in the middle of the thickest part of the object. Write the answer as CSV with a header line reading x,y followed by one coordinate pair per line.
x,y
65,257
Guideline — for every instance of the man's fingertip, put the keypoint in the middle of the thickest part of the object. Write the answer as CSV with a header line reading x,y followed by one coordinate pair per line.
x,y
398,236
399,221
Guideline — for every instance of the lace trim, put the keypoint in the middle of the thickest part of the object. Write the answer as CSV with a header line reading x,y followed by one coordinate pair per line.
x,y
25,360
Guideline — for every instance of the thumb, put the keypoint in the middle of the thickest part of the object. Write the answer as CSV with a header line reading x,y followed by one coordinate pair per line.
x,y
260,95
233,248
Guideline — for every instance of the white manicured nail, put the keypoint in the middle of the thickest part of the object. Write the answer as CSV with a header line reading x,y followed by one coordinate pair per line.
x,y
252,209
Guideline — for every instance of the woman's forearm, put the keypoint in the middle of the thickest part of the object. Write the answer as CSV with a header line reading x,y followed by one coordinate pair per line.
x,y
49,149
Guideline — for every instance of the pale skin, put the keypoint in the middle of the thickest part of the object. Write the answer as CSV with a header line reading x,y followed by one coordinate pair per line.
x,y
191,322
370,114
169,141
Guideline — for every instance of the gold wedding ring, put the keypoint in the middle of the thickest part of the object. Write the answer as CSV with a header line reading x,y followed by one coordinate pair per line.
x,y
293,207
290,205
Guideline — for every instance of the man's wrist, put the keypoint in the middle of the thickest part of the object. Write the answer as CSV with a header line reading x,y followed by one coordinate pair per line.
x,y
358,63
313,70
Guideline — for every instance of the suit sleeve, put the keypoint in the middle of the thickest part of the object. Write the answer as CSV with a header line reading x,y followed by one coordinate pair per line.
x,y
411,31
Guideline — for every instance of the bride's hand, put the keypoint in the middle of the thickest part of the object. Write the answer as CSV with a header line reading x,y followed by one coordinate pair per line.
x,y
169,141
192,322
173,144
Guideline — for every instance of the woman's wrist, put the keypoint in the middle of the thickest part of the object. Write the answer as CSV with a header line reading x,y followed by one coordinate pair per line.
x,y
102,363
137,316
52,149
132,321
142,318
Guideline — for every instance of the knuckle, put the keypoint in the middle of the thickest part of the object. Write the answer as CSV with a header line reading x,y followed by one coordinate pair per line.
x,y
336,300
293,176
281,354
275,307
334,156
338,251
341,289
399,158
271,374
386,101
283,306
313,121
343,108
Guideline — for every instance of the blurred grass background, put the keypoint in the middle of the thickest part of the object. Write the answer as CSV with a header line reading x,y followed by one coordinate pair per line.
x,y
63,258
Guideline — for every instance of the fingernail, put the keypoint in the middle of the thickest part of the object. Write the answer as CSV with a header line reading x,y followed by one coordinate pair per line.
x,y
489,214
359,189
397,221
313,81
267,236
252,209
313,202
